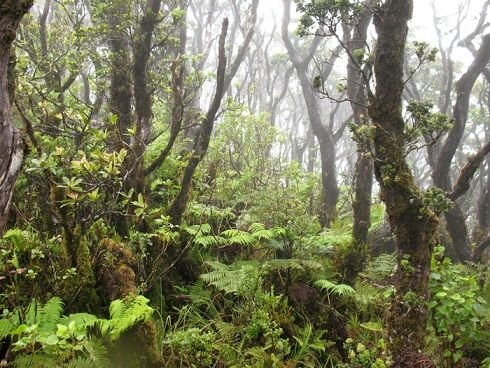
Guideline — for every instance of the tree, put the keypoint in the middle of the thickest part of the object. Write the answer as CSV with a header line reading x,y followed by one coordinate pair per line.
x,y
357,83
325,136
203,136
414,225
11,13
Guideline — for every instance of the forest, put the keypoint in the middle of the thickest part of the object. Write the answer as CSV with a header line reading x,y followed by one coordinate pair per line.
x,y
245,183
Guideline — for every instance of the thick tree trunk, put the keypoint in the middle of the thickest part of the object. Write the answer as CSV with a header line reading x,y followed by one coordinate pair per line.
x,y
121,87
483,208
414,226
11,147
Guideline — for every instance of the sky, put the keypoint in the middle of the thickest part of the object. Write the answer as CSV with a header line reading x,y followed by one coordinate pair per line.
x,y
421,25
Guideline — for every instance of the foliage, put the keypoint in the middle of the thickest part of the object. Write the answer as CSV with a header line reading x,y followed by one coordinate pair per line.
x,y
42,337
361,356
458,311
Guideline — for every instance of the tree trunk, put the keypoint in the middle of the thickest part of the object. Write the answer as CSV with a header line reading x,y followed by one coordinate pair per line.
x,y
456,224
142,94
414,226
11,147
363,184
330,190
201,141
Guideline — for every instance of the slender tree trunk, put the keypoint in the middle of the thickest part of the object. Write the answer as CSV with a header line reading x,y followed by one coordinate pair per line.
x,y
363,184
414,226
201,141
11,147
456,224
330,190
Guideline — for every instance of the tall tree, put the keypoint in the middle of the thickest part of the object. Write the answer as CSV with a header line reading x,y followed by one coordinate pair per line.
x,y
413,224
11,147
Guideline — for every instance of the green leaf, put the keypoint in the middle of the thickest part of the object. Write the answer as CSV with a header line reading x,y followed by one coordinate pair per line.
x,y
51,340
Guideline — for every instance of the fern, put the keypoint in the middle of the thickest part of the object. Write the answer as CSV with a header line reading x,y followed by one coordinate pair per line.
x,y
35,361
381,267
208,241
125,314
198,230
337,289
81,319
235,236
50,314
230,280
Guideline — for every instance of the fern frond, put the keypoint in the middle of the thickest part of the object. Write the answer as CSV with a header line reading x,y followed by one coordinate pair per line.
x,y
217,266
34,361
255,227
338,289
81,319
229,280
125,314
96,354
381,267
50,315
32,314
116,309
264,234
6,327
207,241
283,265
235,236
198,230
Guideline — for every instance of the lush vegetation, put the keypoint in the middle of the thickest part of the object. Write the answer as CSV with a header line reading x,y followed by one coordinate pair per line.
x,y
174,211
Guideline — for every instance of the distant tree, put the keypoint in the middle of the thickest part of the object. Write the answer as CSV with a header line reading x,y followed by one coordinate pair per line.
x,y
322,131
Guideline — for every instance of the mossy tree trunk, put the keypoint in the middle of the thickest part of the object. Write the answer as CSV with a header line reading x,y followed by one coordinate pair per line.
x,y
414,227
11,147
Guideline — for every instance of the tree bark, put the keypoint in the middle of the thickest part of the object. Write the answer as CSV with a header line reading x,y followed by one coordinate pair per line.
x,y
11,147
142,94
121,89
414,226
